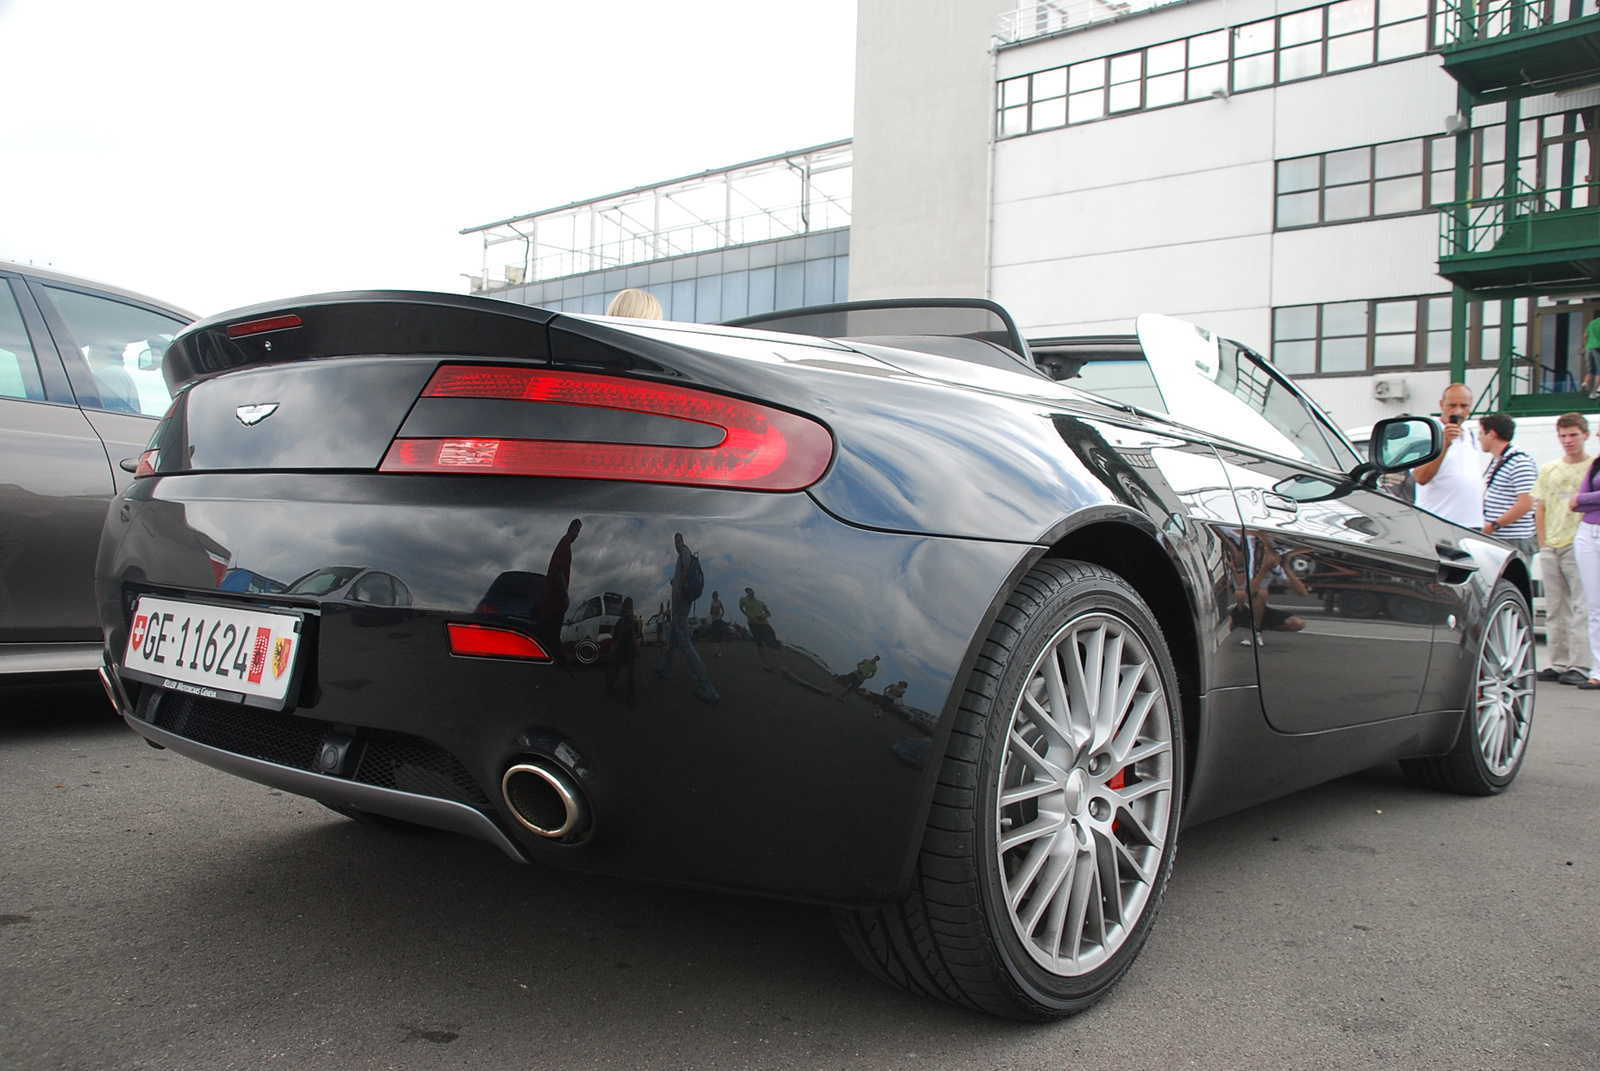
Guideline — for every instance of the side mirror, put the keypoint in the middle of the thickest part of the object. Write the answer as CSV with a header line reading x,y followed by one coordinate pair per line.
x,y
1401,443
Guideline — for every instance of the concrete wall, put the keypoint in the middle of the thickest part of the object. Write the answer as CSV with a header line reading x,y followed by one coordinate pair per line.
x,y
923,124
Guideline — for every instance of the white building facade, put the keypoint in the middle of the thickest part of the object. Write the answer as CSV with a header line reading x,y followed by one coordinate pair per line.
x,y
1267,168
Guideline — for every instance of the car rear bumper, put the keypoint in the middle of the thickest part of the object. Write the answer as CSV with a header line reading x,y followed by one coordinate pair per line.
x,y
788,784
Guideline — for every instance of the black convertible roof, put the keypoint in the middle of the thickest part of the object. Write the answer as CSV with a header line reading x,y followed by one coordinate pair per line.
x,y
971,329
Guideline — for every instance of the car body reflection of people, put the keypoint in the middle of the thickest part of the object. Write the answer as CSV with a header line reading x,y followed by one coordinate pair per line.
x,y
846,683
553,601
759,618
1567,611
683,596
893,697
718,626
1271,569
627,639
1508,485
1449,485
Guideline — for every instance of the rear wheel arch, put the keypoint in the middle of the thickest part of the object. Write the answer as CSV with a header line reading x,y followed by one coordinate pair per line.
x,y
1516,573
1137,556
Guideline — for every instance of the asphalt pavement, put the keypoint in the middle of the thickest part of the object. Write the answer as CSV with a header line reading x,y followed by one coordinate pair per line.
x,y
155,913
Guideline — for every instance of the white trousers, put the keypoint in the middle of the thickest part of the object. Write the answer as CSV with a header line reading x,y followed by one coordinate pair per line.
x,y
1586,547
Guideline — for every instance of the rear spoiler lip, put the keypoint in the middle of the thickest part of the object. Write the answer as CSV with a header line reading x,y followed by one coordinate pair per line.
x,y
204,349
491,306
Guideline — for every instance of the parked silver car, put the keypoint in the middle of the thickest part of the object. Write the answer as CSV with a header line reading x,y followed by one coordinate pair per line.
x,y
81,391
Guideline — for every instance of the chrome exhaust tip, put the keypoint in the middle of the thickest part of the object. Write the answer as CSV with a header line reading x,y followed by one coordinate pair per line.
x,y
113,686
545,799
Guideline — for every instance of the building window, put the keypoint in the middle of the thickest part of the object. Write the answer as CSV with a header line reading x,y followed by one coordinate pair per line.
x,y
1393,179
1555,152
1383,334
1286,48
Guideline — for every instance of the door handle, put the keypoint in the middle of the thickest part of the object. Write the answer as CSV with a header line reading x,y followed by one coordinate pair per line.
x,y
1282,503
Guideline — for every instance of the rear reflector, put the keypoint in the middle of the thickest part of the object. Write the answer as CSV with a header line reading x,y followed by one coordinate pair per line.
x,y
256,327
762,448
480,641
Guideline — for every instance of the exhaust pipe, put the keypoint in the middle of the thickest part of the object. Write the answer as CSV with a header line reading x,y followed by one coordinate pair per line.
x,y
114,692
545,799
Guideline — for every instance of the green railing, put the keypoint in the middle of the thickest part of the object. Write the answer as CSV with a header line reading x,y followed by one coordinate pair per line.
x,y
1528,221
1529,379
1468,22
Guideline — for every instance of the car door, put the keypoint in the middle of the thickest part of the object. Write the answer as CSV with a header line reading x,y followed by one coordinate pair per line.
x,y
1341,596
52,500
112,348
1339,585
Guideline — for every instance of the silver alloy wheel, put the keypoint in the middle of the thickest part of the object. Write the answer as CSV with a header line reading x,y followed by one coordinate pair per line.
x,y
1085,797
1505,689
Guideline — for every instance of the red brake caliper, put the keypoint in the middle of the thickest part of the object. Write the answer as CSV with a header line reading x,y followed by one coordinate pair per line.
x,y
1118,782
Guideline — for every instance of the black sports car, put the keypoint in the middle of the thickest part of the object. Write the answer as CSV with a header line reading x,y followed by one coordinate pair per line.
x,y
997,639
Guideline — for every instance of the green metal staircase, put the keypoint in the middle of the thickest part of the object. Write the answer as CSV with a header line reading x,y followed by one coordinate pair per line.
x,y
1524,242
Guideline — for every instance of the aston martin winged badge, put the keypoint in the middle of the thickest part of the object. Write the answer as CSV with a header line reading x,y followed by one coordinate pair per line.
x,y
251,415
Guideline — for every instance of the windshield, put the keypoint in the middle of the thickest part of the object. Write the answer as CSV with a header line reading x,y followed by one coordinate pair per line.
x,y
1218,386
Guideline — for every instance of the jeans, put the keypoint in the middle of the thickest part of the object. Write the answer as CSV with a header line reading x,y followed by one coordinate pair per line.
x,y
1566,610
682,641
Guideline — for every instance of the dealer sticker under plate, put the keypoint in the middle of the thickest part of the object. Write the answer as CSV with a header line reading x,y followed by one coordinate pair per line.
x,y
235,654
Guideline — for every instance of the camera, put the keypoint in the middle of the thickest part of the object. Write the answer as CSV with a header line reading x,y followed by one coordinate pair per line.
x,y
1454,418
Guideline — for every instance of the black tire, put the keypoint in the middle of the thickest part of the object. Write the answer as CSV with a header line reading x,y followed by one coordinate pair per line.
x,y
1498,707
955,935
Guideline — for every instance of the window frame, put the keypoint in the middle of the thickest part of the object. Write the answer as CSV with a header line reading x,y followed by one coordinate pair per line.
x,y
1426,176
1422,328
1230,64
77,368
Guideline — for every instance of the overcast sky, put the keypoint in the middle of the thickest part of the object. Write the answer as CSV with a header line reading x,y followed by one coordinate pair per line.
x,y
217,153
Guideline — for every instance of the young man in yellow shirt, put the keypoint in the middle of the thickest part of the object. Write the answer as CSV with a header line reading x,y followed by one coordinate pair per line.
x,y
1566,609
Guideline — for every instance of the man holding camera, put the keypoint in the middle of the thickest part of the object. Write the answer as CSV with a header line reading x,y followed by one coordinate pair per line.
x,y
1450,485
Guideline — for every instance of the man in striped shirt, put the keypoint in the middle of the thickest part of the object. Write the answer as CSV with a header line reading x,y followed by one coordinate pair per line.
x,y
1508,485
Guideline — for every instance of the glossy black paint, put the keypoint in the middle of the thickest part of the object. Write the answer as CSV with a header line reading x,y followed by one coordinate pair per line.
x,y
330,415
779,787
360,322
949,480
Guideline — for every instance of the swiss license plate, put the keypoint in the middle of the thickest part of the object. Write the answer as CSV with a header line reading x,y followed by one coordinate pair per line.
x,y
235,654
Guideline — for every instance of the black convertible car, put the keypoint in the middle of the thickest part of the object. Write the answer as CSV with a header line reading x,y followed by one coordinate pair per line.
x,y
996,638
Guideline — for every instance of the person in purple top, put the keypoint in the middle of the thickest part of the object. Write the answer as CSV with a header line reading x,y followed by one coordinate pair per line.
x,y
1586,549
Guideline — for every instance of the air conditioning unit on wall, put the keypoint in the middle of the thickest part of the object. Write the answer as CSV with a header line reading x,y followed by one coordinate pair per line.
x,y
1390,390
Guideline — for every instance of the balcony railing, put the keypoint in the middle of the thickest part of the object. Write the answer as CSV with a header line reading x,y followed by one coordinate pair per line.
x,y
1556,219
1046,17
1468,22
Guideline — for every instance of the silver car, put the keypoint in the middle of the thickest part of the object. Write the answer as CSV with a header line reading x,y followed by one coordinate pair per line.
x,y
81,390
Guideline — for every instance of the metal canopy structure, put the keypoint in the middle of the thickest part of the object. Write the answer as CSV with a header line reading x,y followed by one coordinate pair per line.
x,y
774,197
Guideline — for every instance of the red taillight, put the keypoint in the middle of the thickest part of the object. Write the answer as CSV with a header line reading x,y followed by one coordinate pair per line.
x,y
147,464
269,323
761,449
480,641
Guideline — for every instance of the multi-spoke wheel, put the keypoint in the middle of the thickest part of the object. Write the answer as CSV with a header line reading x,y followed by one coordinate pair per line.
x,y
1053,830
1085,796
1498,711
